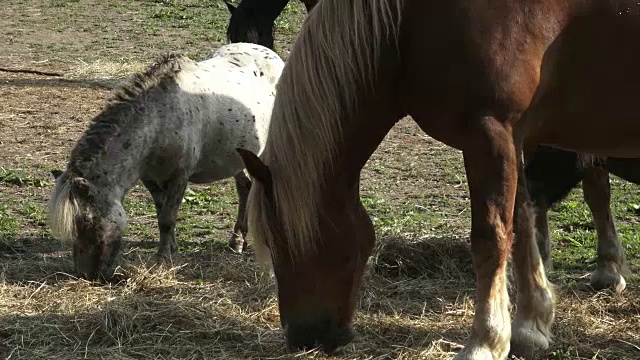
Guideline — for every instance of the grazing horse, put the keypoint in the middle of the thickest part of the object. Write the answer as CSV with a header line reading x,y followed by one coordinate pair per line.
x,y
551,174
252,20
178,122
494,79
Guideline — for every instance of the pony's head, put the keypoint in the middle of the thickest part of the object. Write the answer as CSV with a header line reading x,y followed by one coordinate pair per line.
x,y
317,291
91,219
250,25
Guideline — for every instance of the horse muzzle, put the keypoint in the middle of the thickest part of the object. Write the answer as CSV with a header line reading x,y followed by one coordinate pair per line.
x,y
319,334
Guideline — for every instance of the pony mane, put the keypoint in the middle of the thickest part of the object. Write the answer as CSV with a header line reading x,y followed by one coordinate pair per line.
x,y
164,68
319,88
63,207
127,99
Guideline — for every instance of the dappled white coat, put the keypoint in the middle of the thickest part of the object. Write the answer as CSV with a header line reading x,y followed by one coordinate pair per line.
x,y
242,79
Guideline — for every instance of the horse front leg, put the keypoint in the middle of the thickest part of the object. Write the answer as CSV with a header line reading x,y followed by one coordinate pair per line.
x,y
167,200
490,163
531,329
157,194
238,242
611,257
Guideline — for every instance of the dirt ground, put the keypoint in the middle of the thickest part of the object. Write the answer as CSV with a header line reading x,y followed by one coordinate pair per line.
x,y
417,299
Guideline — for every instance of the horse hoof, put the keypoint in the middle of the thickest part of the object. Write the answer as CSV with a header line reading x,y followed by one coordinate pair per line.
x,y
237,248
601,280
237,243
527,340
475,353
523,351
163,255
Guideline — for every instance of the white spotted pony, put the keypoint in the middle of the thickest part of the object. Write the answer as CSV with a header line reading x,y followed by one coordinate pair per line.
x,y
178,122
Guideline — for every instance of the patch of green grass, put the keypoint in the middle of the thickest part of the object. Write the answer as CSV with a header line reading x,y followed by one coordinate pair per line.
x,y
9,225
217,197
410,219
173,14
18,177
207,212
563,354
63,3
573,230
198,16
35,213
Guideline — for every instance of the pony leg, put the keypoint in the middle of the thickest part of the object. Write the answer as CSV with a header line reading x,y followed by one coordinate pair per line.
x,y
238,242
531,329
611,257
491,171
167,202
157,194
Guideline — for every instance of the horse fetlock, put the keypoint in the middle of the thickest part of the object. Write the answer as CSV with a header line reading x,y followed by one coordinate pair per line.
x,y
608,276
237,243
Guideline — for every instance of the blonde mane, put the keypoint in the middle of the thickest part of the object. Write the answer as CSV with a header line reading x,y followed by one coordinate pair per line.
x,y
333,62
63,210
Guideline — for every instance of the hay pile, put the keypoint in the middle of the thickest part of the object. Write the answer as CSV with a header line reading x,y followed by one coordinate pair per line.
x,y
417,302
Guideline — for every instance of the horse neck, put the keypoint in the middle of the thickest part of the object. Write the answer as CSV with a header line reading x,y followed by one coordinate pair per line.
x,y
123,146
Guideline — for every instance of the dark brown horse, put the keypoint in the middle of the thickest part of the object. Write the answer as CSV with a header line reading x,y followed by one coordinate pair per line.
x,y
493,79
551,174
252,20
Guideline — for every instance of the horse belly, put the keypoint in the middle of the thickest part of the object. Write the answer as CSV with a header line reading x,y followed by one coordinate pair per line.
x,y
215,170
219,158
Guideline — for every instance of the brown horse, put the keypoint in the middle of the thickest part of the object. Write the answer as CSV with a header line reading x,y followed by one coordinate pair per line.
x,y
493,79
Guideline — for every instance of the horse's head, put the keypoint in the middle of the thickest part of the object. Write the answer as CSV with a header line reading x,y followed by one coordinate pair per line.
x,y
93,219
317,291
249,25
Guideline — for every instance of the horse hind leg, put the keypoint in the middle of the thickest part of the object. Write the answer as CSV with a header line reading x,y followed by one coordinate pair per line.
x,y
611,258
543,235
238,242
531,328
551,174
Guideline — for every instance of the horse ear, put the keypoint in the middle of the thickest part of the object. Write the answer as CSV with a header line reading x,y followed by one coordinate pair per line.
x,y
82,187
56,174
230,6
256,168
